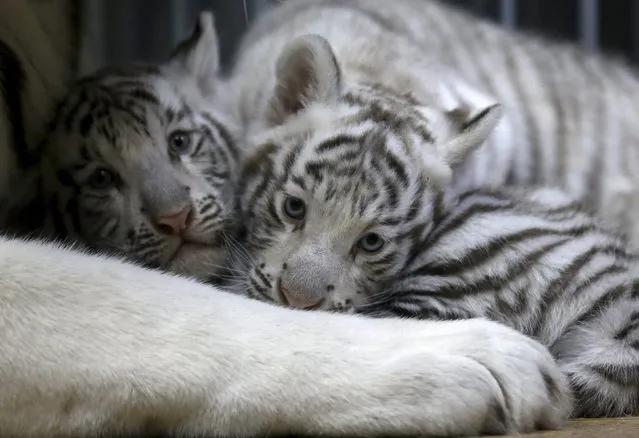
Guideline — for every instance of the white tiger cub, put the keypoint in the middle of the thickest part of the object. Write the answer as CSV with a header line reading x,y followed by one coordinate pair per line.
x,y
93,346
570,118
354,141
139,161
340,222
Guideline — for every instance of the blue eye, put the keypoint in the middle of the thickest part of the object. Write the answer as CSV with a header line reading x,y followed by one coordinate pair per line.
x,y
294,208
179,142
371,243
101,179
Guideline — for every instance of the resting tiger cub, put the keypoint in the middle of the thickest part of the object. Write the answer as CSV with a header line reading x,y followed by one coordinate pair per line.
x,y
356,140
351,222
139,161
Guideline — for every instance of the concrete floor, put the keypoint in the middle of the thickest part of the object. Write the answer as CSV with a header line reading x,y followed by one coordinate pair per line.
x,y
595,428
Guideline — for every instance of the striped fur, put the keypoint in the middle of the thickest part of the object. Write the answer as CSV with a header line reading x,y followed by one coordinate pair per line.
x,y
533,260
130,127
569,117
348,185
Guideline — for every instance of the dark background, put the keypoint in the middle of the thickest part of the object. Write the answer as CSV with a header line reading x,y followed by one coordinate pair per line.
x,y
121,31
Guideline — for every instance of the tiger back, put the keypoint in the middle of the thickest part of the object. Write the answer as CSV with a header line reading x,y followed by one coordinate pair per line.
x,y
569,116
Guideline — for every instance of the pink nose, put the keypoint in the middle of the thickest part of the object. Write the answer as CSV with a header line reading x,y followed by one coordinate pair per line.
x,y
175,223
301,302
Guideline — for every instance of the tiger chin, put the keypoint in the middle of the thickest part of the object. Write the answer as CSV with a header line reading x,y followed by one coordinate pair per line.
x,y
138,161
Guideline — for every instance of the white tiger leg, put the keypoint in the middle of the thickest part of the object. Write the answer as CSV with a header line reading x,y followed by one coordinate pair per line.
x,y
90,345
601,359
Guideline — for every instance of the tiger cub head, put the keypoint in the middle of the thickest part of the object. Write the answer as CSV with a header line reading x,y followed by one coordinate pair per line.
x,y
140,162
347,181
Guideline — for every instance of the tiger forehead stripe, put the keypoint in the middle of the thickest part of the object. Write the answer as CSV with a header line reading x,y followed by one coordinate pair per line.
x,y
394,117
260,161
96,103
336,142
291,158
173,115
224,133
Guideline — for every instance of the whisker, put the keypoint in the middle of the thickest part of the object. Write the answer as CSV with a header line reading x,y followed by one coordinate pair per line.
x,y
238,250
226,268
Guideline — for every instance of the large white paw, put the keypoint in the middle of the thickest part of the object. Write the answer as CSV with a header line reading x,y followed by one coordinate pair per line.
x,y
458,378
486,379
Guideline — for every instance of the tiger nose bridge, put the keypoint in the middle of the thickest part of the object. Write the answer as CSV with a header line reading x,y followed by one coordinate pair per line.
x,y
309,278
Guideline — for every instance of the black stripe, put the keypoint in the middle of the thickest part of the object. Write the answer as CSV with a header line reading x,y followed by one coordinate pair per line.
x,y
608,271
198,147
314,169
631,326
460,217
470,124
488,250
224,134
602,303
488,282
438,206
558,287
290,159
511,303
626,375
397,168
142,93
260,166
335,142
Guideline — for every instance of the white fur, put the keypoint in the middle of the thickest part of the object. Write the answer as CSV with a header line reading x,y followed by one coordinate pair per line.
x,y
91,343
373,56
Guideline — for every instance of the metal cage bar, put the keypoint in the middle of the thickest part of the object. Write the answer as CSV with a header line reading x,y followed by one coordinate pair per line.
x,y
508,13
589,24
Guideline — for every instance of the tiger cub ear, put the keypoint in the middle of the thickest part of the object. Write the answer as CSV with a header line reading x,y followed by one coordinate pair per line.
x,y
472,117
306,72
198,55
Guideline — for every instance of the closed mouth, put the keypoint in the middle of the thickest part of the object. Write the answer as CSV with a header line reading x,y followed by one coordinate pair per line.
x,y
184,245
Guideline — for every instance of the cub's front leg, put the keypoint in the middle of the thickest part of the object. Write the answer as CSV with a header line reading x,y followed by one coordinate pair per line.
x,y
91,345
